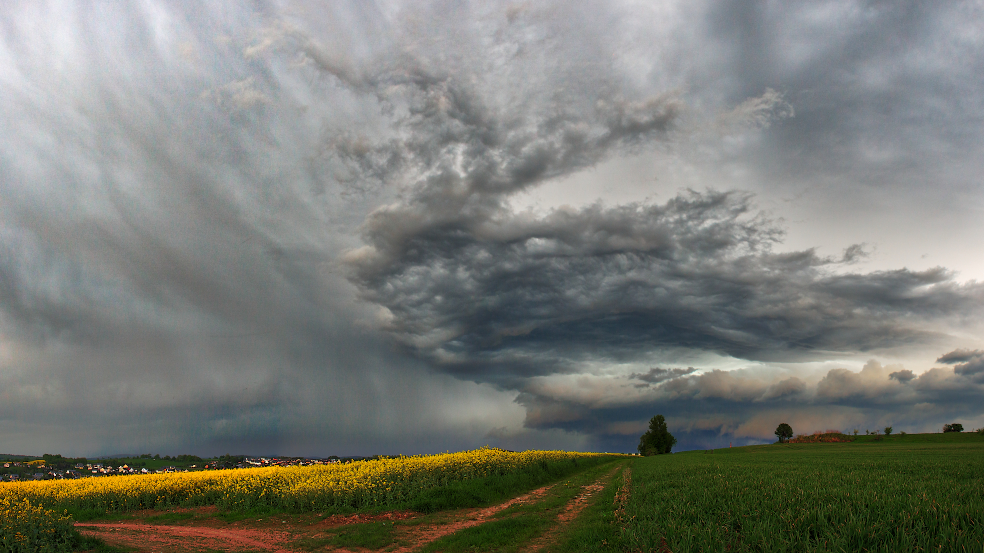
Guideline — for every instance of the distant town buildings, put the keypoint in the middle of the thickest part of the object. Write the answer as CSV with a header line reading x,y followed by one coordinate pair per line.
x,y
15,471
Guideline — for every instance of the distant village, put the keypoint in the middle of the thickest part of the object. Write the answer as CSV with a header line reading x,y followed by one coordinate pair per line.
x,y
56,467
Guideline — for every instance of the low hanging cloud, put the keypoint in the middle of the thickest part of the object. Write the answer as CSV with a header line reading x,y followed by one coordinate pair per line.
x,y
873,382
706,406
969,363
787,389
903,376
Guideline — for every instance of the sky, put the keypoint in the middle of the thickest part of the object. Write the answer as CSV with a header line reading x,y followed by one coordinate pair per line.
x,y
357,228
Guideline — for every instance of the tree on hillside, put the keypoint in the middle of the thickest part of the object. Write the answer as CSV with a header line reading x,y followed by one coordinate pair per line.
x,y
784,432
888,430
955,427
658,439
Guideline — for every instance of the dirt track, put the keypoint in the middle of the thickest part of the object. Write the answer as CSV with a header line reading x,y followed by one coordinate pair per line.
x,y
147,537
284,534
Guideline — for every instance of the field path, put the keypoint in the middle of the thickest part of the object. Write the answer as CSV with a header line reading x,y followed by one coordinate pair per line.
x,y
161,539
468,518
571,511
255,535
166,539
152,538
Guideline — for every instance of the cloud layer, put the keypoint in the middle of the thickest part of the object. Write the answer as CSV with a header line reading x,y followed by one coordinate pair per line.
x,y
517,292
294,228
746,405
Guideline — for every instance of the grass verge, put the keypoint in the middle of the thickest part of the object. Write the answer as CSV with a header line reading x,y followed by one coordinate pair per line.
x,y
371,535
88,544
597,528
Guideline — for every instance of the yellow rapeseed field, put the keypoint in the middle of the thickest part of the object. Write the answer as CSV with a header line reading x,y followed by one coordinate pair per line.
x,y
365,484
25,526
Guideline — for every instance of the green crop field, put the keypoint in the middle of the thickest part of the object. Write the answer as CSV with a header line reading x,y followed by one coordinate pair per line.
x,y
895,493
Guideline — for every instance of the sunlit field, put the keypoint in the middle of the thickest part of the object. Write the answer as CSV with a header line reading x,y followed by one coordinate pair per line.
x,y
899,493
384,483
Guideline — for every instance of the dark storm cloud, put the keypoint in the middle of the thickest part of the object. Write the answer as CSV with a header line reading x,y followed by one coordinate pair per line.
x,y
172,214
903,376
873,83
656,375
969,363
492,295
697,271
193,197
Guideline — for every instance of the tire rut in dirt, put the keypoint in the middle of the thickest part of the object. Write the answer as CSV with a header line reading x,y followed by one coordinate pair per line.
x,y
571,511
474,518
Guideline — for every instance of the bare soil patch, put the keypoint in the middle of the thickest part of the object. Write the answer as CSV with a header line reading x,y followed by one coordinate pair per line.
x,y
622,496
168,539
339,520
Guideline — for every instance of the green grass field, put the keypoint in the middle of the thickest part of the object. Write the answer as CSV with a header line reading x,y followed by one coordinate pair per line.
x,y
900,493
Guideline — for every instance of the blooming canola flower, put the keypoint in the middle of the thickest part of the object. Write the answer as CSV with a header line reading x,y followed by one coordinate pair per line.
x,y
377,482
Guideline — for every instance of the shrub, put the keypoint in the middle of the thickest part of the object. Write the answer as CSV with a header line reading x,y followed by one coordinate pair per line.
x,y
830,436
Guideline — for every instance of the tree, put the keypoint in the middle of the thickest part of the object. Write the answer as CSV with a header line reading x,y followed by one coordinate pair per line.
x,y
888,430
658,439
955,427
784,432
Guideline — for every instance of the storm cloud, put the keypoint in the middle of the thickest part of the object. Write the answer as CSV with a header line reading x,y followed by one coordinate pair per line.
x,y
656,375
969,363
698,271
401,227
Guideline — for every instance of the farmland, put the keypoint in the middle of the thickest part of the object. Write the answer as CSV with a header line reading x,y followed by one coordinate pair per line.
x,y
423,483
892,493
877,493
384,483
